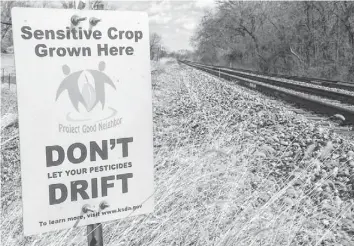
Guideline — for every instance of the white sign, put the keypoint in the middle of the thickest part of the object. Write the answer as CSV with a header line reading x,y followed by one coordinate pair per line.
x,y
85,116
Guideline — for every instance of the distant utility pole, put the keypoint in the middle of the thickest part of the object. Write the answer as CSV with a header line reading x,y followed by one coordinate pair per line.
x,y
158,52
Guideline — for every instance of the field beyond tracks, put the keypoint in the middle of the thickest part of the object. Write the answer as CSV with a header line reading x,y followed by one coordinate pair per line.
x,y
232,167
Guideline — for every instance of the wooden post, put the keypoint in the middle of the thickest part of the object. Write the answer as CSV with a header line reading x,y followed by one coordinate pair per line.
x,y
9,80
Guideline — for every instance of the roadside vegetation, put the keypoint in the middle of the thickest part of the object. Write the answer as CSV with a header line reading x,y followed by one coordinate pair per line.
x,y
308,38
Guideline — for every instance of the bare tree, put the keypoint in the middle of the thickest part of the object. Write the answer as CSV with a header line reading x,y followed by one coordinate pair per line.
x,y
6,22
93,4
68,4
155,45
305,38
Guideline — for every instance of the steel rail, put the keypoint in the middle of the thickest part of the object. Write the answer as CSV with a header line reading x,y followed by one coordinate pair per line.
x,y
342,97
317,81
313,104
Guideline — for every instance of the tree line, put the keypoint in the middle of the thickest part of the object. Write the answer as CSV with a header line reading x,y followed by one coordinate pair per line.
x,y
300,38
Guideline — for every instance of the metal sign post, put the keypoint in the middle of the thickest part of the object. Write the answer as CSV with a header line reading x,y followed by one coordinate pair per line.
x,y
94,231
94,235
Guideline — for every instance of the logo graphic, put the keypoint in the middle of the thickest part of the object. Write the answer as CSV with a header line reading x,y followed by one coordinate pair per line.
x,y
85,86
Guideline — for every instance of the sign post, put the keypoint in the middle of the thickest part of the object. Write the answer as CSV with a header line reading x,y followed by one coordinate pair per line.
x,y
95,235
85,117
94,231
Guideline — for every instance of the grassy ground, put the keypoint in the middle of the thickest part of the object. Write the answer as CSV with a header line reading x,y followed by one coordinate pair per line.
x,y
232,167
7,63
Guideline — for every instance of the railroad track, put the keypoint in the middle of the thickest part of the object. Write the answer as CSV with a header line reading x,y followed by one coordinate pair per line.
x,y
318,98
315,81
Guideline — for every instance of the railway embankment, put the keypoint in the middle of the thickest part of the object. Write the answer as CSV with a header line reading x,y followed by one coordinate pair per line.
x,y
232,167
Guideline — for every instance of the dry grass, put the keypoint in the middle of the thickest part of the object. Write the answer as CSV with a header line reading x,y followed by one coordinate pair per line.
x,y
219,178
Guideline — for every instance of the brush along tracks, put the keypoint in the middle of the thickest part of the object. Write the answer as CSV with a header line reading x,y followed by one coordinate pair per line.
x,y
316,98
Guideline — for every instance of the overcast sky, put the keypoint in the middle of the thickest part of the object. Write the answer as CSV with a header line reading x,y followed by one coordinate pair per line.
x,y
175,21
